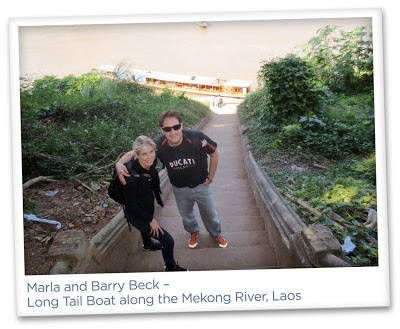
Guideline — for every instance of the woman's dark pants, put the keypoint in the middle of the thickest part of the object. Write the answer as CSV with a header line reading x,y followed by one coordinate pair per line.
x,y
166,240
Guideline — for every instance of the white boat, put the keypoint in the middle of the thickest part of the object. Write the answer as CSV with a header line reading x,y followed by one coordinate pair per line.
x,y
186,83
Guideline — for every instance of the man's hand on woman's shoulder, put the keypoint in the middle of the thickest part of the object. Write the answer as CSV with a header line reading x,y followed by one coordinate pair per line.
x,y
121,169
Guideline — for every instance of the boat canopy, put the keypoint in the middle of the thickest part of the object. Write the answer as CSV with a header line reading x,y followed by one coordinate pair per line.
x,y
145,75
238,83
190,79
163,76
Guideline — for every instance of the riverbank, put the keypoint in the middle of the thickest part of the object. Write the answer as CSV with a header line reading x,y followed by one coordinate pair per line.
x,y
227,50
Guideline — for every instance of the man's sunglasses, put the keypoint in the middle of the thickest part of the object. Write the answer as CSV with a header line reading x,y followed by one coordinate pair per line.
x,y
168,129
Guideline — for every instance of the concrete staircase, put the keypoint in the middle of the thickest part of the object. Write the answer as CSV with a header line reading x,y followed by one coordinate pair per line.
x,y
249,244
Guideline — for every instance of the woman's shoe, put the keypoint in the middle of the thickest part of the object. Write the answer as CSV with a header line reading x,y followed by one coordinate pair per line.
x,y
154,247
177,268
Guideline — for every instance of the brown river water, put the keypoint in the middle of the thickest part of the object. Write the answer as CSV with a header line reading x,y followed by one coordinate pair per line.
x,y
226,50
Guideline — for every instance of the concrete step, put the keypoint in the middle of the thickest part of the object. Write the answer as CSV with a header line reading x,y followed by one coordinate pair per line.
x,y
238,198
145,261
232,161
230,148
219,135
231,173
221,193
240,224
230,258
234,201
235,239
232,184
230,187
223,200
222,141
224,210
237,183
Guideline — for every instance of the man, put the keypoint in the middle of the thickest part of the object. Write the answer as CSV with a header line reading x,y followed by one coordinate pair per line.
x,y
184,154
220,102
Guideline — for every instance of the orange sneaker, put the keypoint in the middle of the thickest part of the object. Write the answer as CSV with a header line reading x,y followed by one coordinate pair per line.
x,y
221,242
192,243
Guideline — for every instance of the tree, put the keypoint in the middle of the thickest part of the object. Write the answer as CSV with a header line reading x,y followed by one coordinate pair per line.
x,y
343,60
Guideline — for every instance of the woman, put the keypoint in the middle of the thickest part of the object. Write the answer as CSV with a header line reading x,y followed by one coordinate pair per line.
x,y
139,194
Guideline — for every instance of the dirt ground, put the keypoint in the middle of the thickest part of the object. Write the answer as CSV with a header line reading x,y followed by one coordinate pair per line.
x,y
73,205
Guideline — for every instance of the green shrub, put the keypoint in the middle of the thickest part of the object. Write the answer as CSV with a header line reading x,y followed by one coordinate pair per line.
x,y
68,124
291,89
345,127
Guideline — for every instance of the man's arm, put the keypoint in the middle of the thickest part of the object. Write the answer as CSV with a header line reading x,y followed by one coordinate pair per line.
x,y
213,167
120,166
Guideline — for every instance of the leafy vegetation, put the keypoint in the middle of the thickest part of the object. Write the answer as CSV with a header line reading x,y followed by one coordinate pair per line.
x,y
291,89
343,60
69,124
311,126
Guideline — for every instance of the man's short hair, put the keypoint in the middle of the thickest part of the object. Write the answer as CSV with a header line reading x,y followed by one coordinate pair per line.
x,y
169,114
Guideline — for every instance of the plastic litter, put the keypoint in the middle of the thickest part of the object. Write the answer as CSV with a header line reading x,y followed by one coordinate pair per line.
x,y
372,220
31,217
51,193
348,246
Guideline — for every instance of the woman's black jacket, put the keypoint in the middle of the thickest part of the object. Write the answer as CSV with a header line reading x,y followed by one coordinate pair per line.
x,y
139,191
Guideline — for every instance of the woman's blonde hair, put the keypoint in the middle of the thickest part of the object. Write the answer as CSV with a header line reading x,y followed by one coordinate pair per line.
x,y
142,141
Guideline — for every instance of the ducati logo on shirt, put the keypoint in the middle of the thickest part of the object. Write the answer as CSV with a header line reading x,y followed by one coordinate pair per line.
x,y
182,164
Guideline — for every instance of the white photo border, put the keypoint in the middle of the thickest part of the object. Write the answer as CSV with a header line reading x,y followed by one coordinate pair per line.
x,y
336,288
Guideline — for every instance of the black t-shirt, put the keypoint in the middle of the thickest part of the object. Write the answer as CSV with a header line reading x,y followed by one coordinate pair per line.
x,y
186,163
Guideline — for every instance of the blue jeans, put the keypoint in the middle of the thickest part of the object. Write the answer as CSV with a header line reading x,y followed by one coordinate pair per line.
x,y
166,240
186,197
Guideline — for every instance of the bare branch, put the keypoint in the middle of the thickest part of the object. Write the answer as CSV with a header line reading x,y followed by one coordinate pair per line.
x,y
101,168
83,184
37,180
